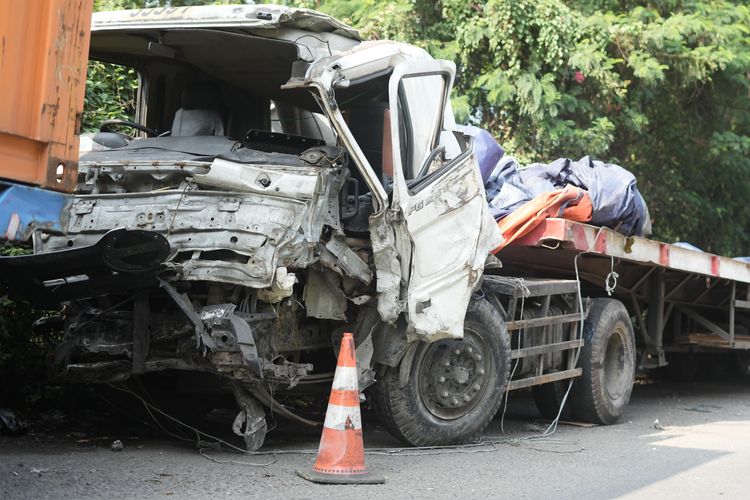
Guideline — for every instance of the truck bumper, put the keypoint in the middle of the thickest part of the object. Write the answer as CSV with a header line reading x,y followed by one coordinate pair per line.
x,y
121,260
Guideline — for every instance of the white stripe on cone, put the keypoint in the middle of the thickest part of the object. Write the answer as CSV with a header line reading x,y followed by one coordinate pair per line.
x,y
337,416
345,379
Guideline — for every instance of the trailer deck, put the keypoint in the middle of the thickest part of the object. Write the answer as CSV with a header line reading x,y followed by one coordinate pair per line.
x,y
681,299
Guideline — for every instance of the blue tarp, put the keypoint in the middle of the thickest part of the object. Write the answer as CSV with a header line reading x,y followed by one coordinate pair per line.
x,y
24,208
614,197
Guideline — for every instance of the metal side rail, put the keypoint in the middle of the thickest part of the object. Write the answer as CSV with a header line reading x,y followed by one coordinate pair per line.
x,y
548,316
531,287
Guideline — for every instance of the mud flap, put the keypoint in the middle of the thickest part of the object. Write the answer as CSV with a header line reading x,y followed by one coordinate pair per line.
x,y
250,422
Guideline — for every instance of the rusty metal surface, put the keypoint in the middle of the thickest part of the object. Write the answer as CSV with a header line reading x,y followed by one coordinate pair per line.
x,y
43,58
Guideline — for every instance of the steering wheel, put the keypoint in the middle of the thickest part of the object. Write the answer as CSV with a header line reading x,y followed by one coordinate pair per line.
x,y
107,125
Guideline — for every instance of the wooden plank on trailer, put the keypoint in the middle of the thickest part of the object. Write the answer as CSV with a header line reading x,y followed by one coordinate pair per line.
x,y
690,313
713,340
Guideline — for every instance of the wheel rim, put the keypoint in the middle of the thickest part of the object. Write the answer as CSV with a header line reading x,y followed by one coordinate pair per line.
x,y
616,380
453,375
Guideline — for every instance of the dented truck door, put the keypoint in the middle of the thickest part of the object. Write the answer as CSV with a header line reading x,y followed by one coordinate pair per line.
x,y
442,201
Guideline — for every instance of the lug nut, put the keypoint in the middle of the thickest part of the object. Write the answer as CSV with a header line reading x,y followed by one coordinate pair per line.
x,y
447,364
469,350
441,379
477,387
466,398
444,394
480,371
454,402
457,352
478,357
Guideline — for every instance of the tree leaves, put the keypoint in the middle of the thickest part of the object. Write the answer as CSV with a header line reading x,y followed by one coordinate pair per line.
x,y
655,86
661,87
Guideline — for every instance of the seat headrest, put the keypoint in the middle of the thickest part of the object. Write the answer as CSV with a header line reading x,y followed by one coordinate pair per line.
x,y
201,96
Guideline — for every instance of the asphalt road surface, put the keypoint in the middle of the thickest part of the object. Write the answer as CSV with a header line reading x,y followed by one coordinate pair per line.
x,y
700,448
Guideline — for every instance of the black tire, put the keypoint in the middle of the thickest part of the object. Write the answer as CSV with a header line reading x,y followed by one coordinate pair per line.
x,y
715,366
740,363
420,413
603,391
548,398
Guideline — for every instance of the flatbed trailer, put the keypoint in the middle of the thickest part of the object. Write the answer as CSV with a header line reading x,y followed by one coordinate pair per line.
x,y
669,301
681,299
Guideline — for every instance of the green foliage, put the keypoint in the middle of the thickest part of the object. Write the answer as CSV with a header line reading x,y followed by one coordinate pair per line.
x,y
110,93
660,87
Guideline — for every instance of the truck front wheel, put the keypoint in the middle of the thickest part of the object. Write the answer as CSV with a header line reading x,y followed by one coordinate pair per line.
x,y
603,391
450,389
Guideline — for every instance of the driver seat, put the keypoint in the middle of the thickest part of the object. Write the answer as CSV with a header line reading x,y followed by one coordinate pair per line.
x,y
200,113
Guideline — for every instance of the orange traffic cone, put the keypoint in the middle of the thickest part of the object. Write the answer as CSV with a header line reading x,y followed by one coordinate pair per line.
x,y
341,454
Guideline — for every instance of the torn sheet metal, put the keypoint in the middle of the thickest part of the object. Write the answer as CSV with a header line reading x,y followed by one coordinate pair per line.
x,y
275,224
323,297
293,182
452,233
388,269
226,332
348,260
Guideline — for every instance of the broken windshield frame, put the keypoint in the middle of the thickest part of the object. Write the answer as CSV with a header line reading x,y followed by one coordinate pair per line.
x,y
419,137
413,69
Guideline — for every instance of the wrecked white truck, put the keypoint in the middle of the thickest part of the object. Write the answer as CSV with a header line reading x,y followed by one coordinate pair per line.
x,y
283,182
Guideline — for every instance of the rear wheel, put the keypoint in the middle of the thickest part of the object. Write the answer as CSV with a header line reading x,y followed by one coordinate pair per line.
x,y
450,389
740,363
548,398
603,391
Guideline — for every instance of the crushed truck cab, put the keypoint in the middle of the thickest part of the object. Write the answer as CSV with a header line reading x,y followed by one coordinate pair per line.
x,y
282,182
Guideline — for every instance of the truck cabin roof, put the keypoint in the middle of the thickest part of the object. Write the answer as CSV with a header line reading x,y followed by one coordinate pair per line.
x,y
247,47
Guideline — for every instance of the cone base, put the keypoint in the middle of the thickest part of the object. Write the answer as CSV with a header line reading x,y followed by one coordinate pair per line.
x,y
319,477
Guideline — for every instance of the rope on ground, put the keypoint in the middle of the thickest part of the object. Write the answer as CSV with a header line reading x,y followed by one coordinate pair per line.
x,y
483,446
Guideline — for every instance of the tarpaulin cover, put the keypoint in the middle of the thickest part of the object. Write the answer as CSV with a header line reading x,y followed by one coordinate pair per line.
x,y
615,200
486,148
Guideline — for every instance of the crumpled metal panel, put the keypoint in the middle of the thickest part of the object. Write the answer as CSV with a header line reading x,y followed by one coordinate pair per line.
x,y
271,217
295,182
265,17
452,232
348,260
323,296
388,269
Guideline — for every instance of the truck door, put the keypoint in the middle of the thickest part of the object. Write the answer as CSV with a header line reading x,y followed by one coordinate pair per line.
x,y
439,190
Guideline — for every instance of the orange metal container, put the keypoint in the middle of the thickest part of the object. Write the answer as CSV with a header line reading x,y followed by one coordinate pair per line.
x,y
44,49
